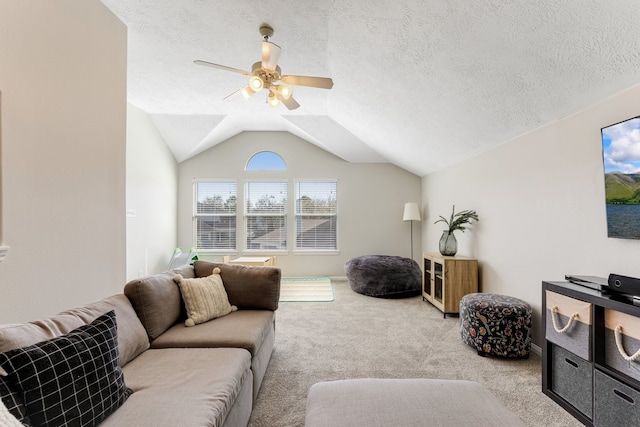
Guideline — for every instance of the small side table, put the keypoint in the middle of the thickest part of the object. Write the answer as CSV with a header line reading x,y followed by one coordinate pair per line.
x,y
447,279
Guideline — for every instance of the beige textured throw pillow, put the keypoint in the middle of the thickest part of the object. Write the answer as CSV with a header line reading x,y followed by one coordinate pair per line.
x,y
204,298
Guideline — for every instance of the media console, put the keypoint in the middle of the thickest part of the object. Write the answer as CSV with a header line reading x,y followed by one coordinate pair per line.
x,y
590,354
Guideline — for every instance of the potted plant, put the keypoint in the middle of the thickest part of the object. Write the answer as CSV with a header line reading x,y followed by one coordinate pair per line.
x,y
458,221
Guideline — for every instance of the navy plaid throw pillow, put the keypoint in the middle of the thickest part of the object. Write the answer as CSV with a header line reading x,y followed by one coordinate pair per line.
x,y
73,379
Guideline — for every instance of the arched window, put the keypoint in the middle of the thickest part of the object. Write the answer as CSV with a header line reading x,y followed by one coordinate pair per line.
x,y
266,161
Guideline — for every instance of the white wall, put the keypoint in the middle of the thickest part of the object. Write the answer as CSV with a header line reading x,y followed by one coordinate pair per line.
x,y
152,192
63,84
371,197
541,203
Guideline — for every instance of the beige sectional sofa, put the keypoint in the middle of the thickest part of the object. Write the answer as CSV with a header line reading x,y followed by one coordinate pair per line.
x,y
205,375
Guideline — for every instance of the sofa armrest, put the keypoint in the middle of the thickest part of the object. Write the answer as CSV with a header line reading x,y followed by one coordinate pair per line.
x,y
249,288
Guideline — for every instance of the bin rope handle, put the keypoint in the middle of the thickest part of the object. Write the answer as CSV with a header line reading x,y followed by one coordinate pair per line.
x,y
632,358
555,323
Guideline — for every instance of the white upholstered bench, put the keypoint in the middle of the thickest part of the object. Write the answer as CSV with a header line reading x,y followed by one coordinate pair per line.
x,y
405,403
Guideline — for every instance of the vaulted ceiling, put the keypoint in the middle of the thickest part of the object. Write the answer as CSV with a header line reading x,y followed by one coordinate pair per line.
x,y
420,84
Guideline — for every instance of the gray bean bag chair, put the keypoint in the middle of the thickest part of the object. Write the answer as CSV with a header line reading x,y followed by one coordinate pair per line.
x,y
384,276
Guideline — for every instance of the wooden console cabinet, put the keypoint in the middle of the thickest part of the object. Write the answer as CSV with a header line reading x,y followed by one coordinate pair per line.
x,y
446,279
586,373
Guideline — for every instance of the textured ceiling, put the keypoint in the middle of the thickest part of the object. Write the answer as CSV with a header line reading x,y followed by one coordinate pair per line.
x,y
420,84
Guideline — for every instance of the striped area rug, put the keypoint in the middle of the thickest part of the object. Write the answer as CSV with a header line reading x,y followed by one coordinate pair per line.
x,y
306,289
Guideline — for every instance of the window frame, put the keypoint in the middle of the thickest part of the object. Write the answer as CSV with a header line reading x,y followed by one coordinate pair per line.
x,y
197,215
299,216
284,215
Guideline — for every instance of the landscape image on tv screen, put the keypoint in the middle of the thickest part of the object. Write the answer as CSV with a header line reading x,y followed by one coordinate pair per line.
x,y
621,155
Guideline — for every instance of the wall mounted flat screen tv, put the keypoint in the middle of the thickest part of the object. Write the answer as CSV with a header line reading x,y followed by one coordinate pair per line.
x,y
621,156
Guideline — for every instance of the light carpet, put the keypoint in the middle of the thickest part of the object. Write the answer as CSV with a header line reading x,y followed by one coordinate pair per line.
x,y
306,289
358,336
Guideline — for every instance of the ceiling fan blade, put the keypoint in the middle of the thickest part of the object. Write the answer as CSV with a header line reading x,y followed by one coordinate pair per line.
x,y
221,67
319,82
290,103
270,55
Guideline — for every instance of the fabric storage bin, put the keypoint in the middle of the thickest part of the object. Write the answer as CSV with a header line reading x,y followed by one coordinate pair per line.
x,y
615,403
572,379
622,342
568,324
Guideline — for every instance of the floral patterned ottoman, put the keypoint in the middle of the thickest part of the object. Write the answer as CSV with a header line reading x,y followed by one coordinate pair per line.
x,y
496,325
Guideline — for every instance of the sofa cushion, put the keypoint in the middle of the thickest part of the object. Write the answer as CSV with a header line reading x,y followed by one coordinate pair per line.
x,y
204,298
73,379
241,329
156,299
132,337
184,387
12,401
248,287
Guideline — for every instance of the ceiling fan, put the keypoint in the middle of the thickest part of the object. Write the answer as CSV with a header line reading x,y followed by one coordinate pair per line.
x,y
266,74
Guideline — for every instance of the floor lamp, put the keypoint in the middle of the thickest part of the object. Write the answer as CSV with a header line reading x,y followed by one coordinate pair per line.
x,y
411,213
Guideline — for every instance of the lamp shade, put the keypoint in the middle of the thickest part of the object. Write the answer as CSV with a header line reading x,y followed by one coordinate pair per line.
x,y
411,212
256,83
272,100
247,92
284,90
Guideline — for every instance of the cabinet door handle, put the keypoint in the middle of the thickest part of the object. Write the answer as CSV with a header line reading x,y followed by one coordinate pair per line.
x,y
554,311
623,396
633,357
571,362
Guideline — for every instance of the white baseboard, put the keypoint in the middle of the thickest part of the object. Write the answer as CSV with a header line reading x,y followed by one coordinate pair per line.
x,y
536,350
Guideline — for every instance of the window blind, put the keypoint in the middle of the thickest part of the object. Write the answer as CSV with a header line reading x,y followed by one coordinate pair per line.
x,y
316,215
214,219
265,215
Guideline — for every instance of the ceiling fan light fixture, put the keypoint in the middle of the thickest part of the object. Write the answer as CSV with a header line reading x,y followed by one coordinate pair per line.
x,y
273,100
285,91
256,83
247,92
266,74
